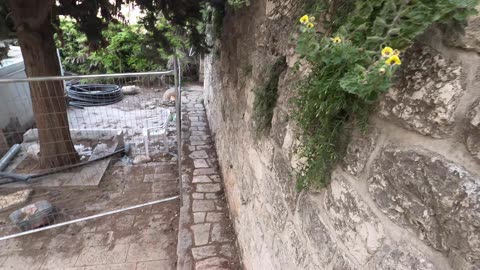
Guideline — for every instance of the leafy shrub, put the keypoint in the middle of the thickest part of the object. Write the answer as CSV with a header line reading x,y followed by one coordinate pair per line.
x,y
353,65
130,48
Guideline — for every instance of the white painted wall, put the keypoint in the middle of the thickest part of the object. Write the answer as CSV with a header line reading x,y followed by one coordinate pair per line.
x,y
15,99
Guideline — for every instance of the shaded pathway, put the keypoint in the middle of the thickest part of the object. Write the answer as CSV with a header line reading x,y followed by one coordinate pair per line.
x,y
206,236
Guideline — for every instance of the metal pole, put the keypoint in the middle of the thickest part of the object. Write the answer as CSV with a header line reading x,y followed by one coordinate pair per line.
x,y
95,76
178,107
88,218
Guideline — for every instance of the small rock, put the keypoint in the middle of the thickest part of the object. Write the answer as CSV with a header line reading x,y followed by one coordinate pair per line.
x,y
130,89
141,160
33,150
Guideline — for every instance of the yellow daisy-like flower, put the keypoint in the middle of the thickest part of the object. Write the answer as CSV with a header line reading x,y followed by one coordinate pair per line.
x,y
310,25
336,40
387,52
304,19
394,60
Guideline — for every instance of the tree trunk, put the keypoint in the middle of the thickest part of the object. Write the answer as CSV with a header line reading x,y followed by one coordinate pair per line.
x,y
36,38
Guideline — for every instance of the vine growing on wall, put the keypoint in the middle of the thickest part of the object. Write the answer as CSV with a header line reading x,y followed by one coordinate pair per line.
x,y
353,62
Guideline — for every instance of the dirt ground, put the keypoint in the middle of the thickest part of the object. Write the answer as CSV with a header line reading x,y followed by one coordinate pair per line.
x,y
139,239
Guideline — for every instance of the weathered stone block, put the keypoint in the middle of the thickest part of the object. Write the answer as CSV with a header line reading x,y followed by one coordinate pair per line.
x,y
200,253
201,179
215,217
200,163
470,39
201,233
286,179
203,205
199,154
426,96
472,133
400,257
438,199
208,187
354,223
199,217
212,264
204,171
220,233
316,231
343,263
359,150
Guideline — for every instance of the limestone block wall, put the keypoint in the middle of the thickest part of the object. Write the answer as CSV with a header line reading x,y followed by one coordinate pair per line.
x,y
407,194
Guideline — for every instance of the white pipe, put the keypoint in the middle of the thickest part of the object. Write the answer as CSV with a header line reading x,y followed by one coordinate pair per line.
x,y
9,156
87,218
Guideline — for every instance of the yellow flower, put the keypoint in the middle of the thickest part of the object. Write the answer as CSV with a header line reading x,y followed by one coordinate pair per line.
x,y
310,25
336,40
394,60
396,52
387,52
304,19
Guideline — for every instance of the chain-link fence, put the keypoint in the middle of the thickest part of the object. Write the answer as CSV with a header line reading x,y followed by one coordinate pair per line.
x,y
76,147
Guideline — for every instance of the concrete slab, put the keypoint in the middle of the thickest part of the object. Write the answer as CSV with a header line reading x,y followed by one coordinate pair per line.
x,y
101,255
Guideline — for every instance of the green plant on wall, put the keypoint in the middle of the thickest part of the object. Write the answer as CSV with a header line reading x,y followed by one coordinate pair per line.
x,y
266,97
352,66
236,4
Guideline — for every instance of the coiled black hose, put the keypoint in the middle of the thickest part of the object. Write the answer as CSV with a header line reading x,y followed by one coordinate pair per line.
x,y
87,95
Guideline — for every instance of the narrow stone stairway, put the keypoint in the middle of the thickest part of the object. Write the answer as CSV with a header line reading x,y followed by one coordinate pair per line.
x,y
206,235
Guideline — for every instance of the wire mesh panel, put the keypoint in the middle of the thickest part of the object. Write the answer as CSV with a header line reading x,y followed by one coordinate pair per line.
x,y
79,146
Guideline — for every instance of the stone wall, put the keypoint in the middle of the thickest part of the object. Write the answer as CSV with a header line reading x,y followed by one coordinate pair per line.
x,y
406,196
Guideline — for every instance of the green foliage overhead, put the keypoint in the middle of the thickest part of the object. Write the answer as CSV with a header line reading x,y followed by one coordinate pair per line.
x,y
93,17
349,72
130,48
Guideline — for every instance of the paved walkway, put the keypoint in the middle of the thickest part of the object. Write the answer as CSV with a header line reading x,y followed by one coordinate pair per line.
x,y
206,237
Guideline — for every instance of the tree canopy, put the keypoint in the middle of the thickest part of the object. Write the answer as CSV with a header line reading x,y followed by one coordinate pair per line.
x,y
94,16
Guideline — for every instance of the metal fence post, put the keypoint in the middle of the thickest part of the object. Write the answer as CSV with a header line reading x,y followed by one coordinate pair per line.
x,y
178,107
